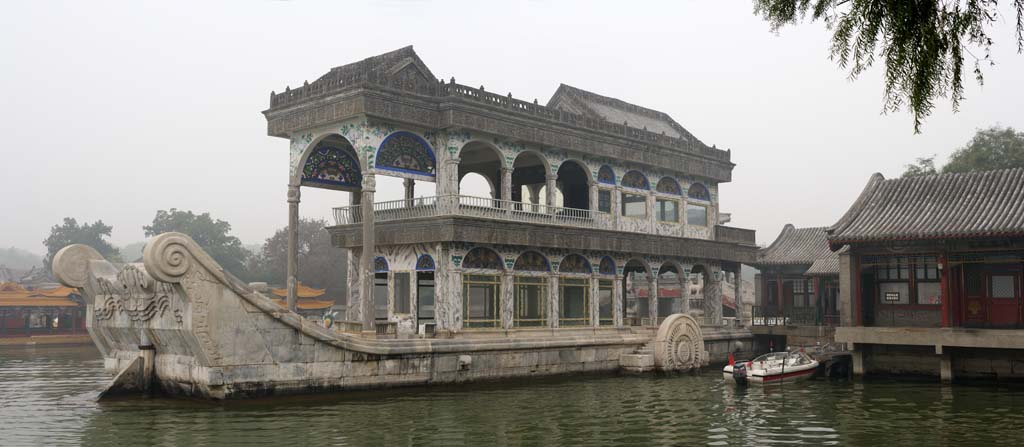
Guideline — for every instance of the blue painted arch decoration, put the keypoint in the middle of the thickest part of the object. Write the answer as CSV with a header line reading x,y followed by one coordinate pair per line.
x,y
669,185
332,166
482,258
607,266
606,175
425,263
531,261
380,265
574,264
634,179
406,152
699,192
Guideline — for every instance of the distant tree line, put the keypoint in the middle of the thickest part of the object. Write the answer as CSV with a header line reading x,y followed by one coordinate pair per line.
x,y
321,264
993,148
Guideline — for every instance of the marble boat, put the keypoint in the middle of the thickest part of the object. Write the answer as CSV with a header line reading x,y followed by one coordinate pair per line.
x,y
178,324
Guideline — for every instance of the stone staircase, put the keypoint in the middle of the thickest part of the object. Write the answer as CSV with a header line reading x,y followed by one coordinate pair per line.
x,y
640,361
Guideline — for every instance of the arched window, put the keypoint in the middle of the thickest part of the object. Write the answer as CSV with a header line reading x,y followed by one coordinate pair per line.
x,y
574,264
482,258
635,292
531,291
634,179
481,292
697,213
668,185
574,292
380,288
332,165
406,152
670,290
607,266
425,289
531,261
698,191
606,175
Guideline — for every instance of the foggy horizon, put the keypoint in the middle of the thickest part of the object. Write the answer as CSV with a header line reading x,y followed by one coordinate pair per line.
x,y
99,127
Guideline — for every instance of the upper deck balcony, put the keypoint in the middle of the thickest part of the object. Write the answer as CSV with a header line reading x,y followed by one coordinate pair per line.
x,y
519,212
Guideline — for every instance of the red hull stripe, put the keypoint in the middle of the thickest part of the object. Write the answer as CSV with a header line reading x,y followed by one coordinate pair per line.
x,y
787,375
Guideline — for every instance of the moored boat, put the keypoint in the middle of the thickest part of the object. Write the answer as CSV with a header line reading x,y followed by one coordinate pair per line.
x,y
771,368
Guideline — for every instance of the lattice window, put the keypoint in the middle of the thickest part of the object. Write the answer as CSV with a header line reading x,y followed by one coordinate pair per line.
x,y
1003,286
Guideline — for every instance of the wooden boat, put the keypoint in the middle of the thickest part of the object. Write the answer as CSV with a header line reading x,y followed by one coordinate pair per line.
x,y
771,368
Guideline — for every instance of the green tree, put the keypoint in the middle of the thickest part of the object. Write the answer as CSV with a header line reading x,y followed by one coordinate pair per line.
x,y
321,264
212,235
992,148
93,235
923,166
922,42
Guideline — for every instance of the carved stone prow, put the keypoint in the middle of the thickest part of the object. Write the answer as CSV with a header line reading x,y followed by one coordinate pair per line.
x,y
117,323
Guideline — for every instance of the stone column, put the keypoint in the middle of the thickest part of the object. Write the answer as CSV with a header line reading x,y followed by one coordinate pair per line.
x,y
652,298
410,191
848,311
552,188
447,186
293,245
593,197
652,217
507,299
617,307
369,248
506,186
616,206
595,313
353,309
455,299
741,307
553,301
534,197
713,297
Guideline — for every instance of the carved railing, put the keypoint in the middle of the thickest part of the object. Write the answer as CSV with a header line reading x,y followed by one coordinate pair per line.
x,y
336,82
472,206
796,316
735,235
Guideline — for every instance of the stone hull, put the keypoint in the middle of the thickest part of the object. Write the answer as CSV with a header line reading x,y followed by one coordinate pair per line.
x,y
214,337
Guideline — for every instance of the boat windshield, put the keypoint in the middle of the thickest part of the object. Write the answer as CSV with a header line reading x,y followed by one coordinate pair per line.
x,y
790,358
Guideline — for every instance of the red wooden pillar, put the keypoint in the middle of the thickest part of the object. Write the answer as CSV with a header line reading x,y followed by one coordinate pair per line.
x,y
856,289
778,294
819,303
944,286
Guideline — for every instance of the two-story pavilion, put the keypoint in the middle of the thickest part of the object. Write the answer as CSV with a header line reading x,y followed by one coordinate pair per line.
x,y
797,288
585,192
933,276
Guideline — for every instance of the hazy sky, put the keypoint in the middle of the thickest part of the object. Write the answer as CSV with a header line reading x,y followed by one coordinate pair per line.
x,y
113,110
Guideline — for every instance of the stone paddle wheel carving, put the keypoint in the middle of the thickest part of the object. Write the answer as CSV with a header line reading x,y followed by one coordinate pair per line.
x,y
679,344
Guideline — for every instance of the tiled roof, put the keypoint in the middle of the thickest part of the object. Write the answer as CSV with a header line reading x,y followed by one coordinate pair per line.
x,y
616,111
796,246
828,265
942,206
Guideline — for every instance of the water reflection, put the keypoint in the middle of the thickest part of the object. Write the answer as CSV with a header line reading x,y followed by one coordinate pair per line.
x,y
46,398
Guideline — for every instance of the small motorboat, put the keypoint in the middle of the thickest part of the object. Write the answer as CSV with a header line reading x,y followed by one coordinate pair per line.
x,y
771,368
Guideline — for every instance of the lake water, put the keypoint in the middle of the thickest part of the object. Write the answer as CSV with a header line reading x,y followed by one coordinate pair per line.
x,y
47,397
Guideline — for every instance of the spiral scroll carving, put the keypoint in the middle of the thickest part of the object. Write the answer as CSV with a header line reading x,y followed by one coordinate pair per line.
x,y
71,264
169,256
679,344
